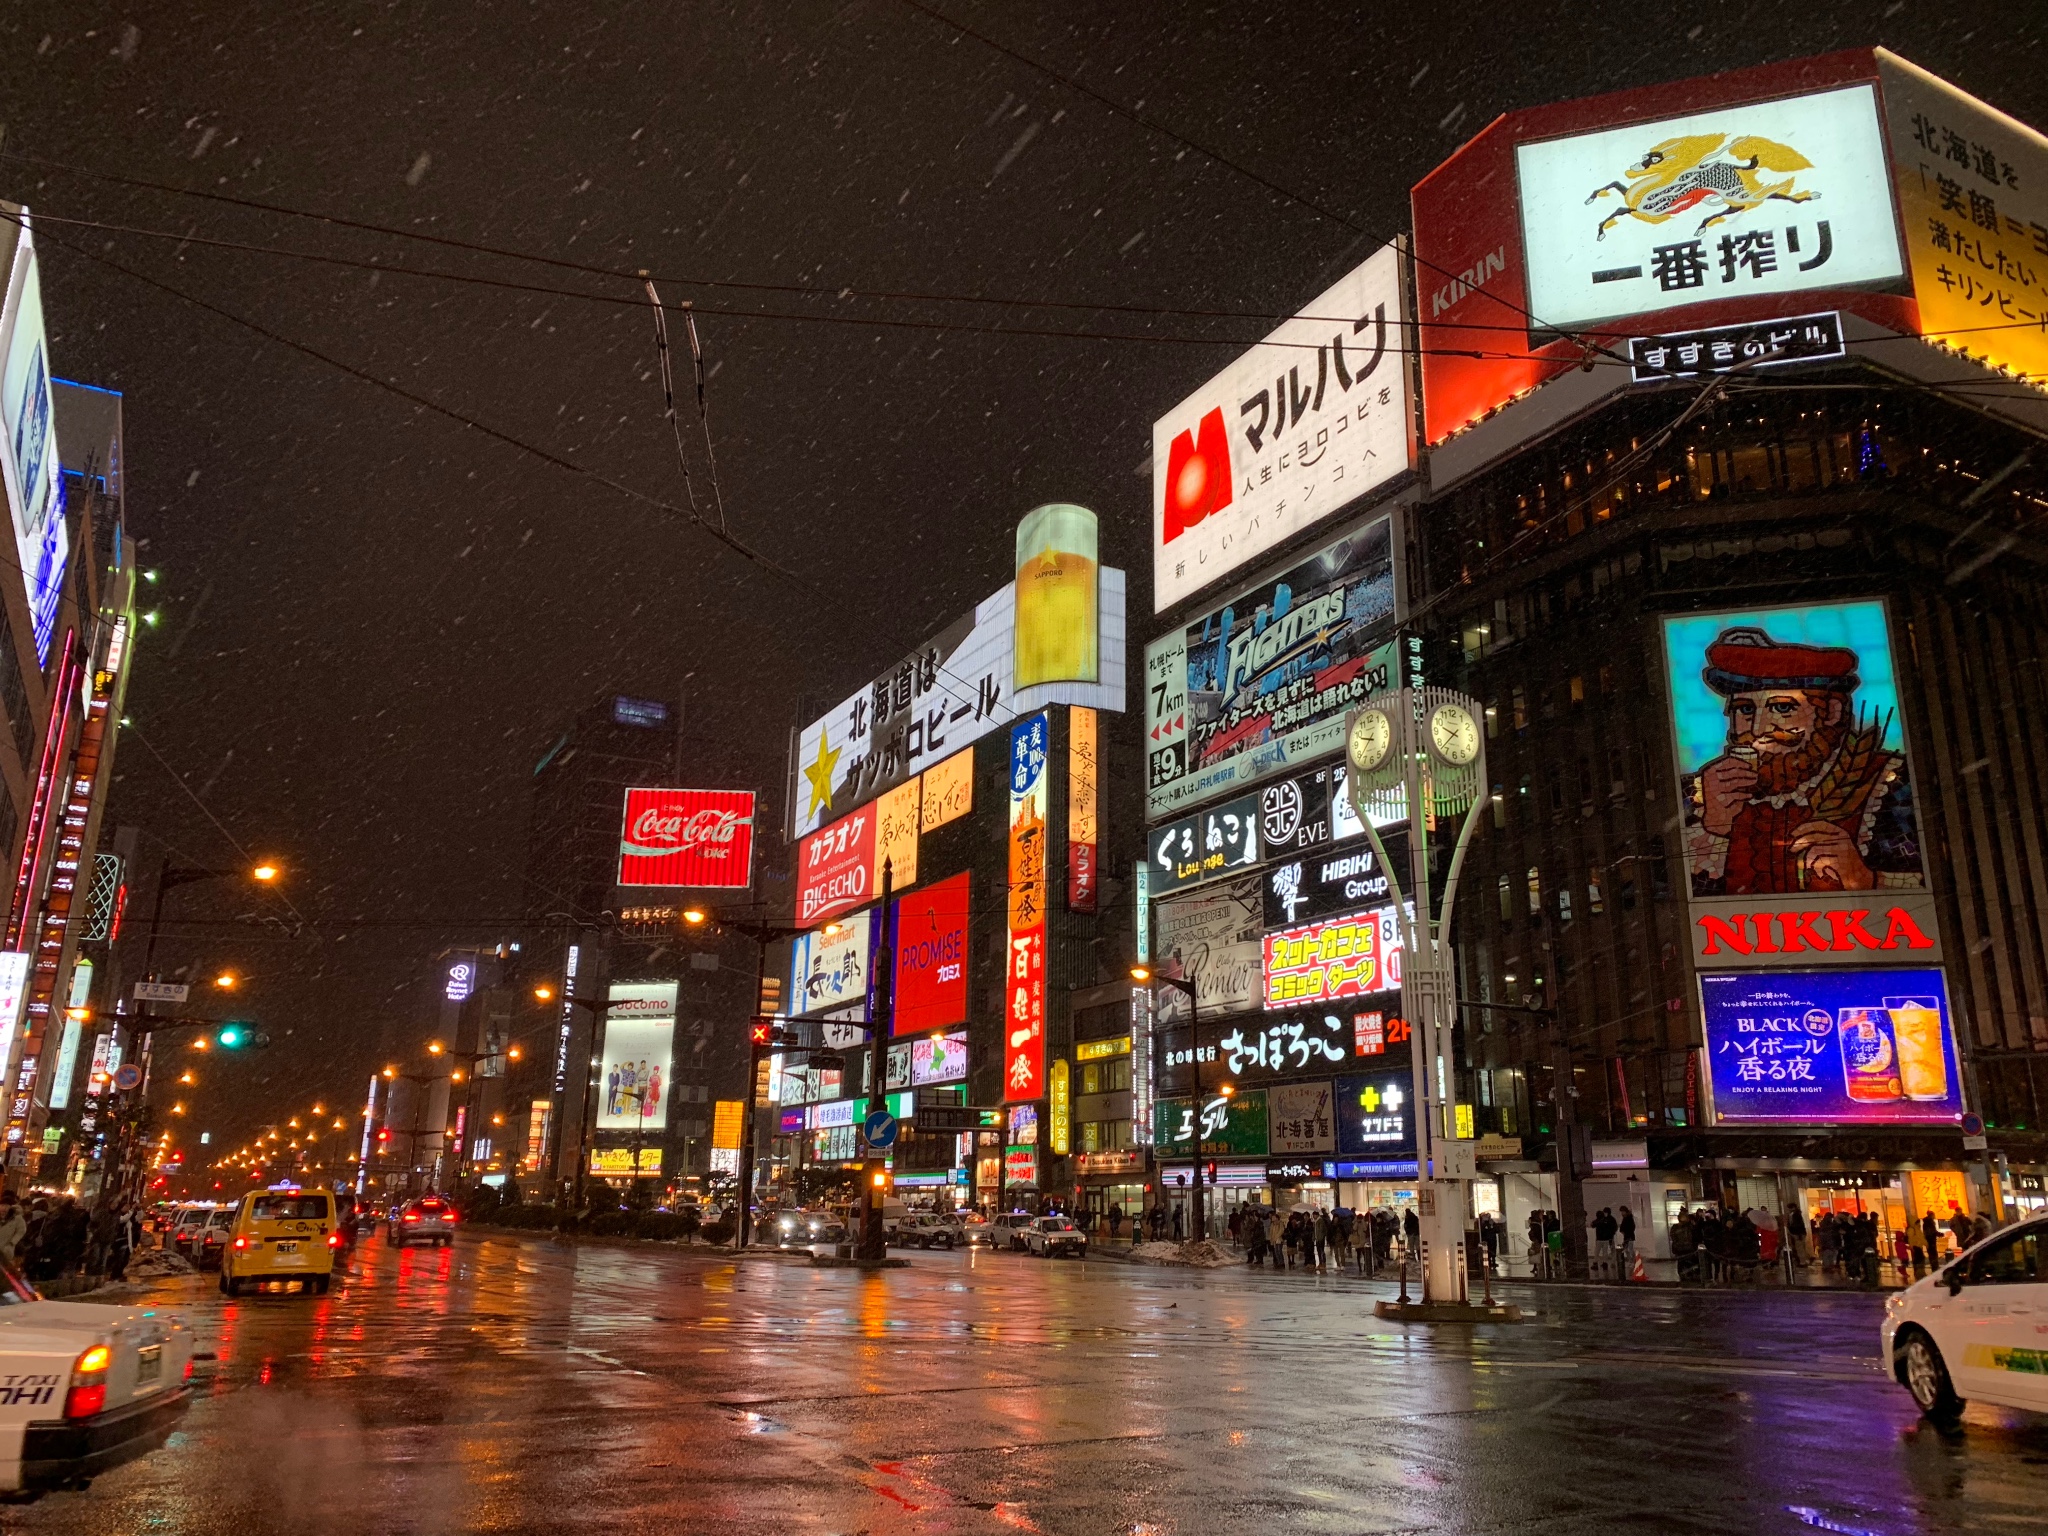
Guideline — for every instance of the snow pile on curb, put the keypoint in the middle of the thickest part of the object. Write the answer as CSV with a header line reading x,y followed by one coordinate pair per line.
x,y
1202,1255
154,1263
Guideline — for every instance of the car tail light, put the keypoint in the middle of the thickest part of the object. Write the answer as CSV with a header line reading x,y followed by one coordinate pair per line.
x,y
241,1242
412,1215
188,1370
88,1394
334,1239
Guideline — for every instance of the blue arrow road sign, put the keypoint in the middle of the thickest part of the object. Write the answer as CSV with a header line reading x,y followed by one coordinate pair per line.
x,y
879,1128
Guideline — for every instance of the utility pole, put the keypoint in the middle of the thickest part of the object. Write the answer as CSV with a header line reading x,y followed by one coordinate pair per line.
x,y
874,1242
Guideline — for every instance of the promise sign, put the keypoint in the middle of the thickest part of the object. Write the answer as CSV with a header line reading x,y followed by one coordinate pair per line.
x,y
688,837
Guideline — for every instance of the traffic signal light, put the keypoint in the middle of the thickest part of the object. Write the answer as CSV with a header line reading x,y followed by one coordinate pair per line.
x,y
237,1035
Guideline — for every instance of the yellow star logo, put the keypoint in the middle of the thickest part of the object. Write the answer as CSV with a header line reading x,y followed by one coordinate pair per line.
x,y
820,775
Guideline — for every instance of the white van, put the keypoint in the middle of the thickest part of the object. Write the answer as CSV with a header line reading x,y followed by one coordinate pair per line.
x,y
1976,1328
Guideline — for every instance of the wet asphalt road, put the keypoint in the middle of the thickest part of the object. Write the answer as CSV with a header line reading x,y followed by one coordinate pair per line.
x,y
517,1384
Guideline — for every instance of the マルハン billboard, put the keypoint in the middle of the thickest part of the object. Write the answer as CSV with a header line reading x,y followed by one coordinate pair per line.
x,y
1297,428
1802,847
1265,681
688,837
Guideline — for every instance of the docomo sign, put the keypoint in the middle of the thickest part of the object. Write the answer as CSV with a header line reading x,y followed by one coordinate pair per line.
x,y
688,837
835,867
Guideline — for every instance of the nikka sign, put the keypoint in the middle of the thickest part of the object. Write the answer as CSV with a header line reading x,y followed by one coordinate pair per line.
x,y
688,837
1822,928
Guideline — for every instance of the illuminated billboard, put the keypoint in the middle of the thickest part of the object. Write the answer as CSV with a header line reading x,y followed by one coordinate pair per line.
x,y
954,689
1211,939
1024,968
835,868
688,837
830,969
1972,186
1837,1047
930,989
635,1069
1802,847
1735,202
1265,681
1295,429
1354,956
35,485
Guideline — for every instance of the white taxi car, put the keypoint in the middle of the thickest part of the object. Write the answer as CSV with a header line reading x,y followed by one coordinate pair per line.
x,y
1976,1328
83,1387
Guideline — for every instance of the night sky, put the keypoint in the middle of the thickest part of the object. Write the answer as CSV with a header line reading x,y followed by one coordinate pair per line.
x,y
375,619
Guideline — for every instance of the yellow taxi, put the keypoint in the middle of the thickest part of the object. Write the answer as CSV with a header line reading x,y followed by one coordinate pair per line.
x,y
284,1238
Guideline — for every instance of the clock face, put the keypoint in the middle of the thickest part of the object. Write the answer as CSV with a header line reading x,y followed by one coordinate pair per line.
x,y
1372,735
1454,734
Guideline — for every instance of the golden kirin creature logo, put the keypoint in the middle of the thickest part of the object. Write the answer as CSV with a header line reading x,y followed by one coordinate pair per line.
x,y
1723,175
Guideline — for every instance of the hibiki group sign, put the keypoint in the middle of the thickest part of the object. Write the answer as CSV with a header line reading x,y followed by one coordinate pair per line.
x,y
688,837
1306,422
1267,680
1024,978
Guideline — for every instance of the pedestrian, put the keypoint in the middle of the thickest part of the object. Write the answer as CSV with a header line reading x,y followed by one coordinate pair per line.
x,y
1321,1228
1959,1227
1830,1235
1537,1269
1276,1237
1767,1231
1627,1229
1795,1233
13,1226
1179,1216
1252,1229
1236,1223
1604,1227
1340,1234
1411,1233
1930,1237
1685,1247
1980,1228
1116,1219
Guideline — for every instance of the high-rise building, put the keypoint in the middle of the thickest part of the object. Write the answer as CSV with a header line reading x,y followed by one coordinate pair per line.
x,y
579,792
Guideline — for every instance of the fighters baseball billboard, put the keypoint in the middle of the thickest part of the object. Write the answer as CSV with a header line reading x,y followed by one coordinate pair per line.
x,y
1265,681
702,838
1303,424
1801,843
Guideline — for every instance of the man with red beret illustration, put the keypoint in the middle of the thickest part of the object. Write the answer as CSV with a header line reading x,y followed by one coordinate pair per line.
x,y
1806,797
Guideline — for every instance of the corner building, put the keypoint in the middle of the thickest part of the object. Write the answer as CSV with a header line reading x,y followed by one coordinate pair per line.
x,y
1746,572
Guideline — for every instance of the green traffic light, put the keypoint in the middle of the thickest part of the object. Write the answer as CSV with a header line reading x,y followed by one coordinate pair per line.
x,y
231,1036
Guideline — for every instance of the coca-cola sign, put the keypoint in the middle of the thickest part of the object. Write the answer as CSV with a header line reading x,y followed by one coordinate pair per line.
x,y
688,837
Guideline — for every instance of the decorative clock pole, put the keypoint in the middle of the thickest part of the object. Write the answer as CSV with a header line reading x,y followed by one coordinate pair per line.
x,y
1418,754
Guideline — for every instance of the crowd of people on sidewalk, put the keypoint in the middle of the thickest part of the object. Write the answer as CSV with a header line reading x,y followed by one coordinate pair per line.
x,y
47,1238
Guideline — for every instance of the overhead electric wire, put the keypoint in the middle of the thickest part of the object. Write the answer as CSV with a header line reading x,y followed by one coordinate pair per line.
x,y
427,403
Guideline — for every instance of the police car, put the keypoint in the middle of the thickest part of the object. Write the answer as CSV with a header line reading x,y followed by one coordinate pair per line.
x,y
1976,1328
83,1387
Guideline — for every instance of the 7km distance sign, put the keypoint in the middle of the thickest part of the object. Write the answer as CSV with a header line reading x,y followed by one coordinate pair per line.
x,y
702,838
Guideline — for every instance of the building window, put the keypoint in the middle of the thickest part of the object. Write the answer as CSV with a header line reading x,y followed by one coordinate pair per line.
x,y
1507,901
1518,699
1535,891
1564,903
1594,901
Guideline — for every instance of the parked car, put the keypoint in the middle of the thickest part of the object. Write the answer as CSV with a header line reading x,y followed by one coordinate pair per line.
x,y
1975,1328
87,1387
1051,1236
933,1229
185,1227
973,1230
211,1236
1007,1230
429,1219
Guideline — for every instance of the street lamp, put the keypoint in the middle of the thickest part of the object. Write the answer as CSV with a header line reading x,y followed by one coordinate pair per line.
x,y
1151,979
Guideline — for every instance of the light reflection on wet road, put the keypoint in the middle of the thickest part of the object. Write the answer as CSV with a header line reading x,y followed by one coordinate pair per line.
x,y
515,1384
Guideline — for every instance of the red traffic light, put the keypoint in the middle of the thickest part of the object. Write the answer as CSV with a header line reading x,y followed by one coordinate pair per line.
x,y
760,1032
1212,1173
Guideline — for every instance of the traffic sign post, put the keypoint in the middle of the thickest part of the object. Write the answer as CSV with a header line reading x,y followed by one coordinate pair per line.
x,y
879,1129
